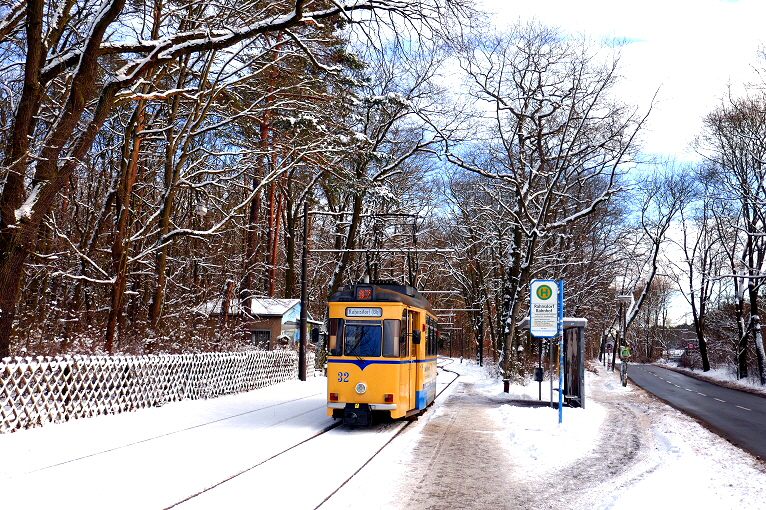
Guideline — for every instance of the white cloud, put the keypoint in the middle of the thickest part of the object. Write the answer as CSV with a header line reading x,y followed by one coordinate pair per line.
x,y
688,49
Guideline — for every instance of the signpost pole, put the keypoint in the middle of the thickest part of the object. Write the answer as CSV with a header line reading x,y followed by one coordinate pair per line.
x,y
546,318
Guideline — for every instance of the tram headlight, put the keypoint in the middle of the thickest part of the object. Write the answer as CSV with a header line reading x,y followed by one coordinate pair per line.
x,y
360,388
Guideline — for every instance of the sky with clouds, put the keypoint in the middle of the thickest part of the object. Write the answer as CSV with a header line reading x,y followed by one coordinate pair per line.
x,y
689,51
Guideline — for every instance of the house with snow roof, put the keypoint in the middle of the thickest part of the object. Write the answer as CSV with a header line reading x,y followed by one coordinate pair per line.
x,y
269,323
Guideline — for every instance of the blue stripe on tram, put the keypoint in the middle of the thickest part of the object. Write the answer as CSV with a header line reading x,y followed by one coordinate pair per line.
x,y
364,363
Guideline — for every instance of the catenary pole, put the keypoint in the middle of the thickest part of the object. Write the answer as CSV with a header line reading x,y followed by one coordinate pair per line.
x,y
304,299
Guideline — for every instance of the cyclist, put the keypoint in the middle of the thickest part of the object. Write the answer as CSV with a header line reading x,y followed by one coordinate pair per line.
x,y
624,358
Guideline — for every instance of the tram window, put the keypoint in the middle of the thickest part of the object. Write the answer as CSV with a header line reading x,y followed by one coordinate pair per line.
x,y
403,340
403,336
414,326
362,338
391,338
434,338
434,344
335,337
430,337
430,341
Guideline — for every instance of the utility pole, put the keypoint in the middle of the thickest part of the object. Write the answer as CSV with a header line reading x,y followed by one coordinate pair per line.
x,y
481,339
304,297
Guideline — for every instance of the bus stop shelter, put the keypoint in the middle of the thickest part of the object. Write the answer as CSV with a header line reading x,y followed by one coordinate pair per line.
x,y
574,361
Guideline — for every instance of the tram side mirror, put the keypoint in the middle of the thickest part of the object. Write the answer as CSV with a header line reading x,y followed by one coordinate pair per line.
x,y
416,336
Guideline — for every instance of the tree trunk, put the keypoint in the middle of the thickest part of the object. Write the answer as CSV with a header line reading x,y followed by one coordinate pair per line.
x,y
340,267
13,251
743,336
755,322
251,242
11,268
175,159
161,259
228,295
119,249
511,286
290,232
18,234
698,318
275,227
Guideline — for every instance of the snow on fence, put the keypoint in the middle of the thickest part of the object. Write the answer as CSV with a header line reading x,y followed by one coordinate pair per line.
x,y
36,391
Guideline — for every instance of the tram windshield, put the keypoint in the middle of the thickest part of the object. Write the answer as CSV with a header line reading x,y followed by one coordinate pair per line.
x,y
362,338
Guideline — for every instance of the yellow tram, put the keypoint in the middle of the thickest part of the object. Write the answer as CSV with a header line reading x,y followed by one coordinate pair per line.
x,y
382,349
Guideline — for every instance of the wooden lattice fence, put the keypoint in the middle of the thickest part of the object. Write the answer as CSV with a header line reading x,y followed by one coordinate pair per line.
x,y
36,391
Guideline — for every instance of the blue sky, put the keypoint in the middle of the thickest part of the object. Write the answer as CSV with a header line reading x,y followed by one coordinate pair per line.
x,y
691,50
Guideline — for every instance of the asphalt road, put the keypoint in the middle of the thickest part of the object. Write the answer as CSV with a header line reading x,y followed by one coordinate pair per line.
x,y
735,415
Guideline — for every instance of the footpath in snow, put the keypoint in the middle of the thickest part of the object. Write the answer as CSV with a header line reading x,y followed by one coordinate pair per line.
x,y
677,460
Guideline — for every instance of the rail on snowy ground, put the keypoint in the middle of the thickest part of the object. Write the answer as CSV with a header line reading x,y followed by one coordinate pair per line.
x,y
40,390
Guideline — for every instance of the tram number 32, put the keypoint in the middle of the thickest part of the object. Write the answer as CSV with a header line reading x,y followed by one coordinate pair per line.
x,y
342,376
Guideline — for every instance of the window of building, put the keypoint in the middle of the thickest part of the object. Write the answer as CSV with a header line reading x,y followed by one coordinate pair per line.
x,y
260,338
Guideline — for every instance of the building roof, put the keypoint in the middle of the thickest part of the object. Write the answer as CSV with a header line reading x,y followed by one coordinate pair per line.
x,y
259,307
265,307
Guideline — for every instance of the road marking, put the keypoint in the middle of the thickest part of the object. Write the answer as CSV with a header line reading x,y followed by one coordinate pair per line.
x,y
745,408
687,389
718,399
698,393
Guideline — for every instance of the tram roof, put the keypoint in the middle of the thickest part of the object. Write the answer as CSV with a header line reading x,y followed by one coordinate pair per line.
x,y
382,292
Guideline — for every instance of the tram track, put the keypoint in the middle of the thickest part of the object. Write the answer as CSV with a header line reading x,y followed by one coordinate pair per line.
x,y
398,427
254,466
405,425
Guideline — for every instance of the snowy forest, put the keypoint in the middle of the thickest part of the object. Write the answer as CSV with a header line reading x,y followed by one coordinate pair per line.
x,y
157,156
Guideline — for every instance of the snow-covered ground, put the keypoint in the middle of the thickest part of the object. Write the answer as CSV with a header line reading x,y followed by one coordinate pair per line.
x,y
688,464
155,458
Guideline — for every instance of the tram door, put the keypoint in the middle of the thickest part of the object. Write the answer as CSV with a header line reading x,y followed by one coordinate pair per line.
x,y
405,368
413,324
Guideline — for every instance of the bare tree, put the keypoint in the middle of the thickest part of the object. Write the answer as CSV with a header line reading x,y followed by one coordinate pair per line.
x,y
702,258
553,139
393,142
734,139
651,321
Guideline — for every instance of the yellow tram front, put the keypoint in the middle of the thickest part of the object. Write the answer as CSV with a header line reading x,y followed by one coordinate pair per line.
x,y
382,349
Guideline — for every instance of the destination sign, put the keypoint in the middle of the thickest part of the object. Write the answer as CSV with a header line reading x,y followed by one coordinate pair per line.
x,y
366,311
